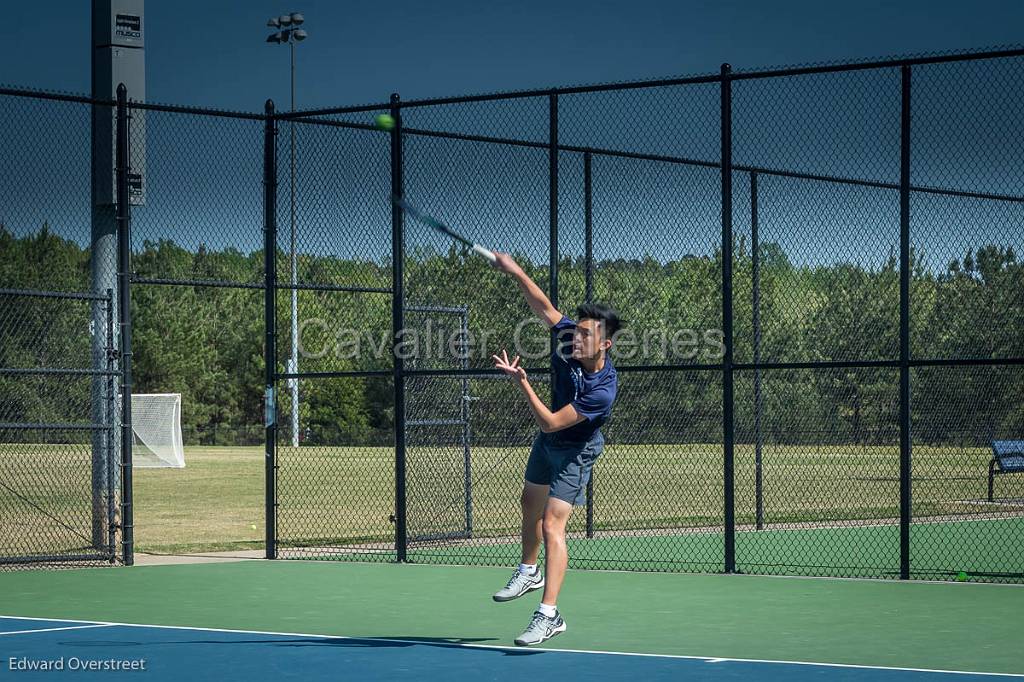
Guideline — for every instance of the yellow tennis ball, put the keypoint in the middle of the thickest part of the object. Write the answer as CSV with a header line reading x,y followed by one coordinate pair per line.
x,y
384,121
253,526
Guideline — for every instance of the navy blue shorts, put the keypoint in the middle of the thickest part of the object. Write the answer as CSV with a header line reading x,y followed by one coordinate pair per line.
x,y
563,465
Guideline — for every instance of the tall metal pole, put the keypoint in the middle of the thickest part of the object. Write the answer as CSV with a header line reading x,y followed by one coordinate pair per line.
x,y
293,384
103,264
727,374
118,57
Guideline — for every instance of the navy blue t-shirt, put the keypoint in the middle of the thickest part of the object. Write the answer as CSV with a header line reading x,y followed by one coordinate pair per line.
x,y
591,394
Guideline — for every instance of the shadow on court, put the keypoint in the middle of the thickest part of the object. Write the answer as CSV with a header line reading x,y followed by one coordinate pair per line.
x,y
388,642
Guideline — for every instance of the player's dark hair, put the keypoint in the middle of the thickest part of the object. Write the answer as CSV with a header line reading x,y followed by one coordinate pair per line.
x,y
602,313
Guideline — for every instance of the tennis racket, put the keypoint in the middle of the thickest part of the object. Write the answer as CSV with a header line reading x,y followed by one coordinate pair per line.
x,y
433,222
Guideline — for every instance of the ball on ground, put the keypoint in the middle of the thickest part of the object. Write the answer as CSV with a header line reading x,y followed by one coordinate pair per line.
x,y
384,121
253,526
961,576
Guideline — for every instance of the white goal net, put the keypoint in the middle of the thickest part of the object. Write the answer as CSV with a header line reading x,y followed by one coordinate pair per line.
x,y
156,428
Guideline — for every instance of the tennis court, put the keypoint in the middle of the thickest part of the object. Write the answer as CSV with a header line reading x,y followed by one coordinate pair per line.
x,y
265,620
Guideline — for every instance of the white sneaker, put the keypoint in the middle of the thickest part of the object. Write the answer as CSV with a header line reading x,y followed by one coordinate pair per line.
x,y
519,584
540,629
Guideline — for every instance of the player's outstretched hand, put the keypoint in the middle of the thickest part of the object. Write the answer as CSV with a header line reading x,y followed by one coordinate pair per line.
x,y
505,263
511,369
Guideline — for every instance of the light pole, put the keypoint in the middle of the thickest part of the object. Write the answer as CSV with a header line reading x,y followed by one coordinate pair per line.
x,y
290,34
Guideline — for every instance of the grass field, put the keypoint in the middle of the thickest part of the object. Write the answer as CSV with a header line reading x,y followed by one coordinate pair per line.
x,y
345,495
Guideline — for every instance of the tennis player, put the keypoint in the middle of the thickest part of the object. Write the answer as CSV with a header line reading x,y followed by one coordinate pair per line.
x,y
564,451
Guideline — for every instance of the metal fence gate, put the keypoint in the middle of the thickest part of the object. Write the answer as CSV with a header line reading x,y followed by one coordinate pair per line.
x,y
59,417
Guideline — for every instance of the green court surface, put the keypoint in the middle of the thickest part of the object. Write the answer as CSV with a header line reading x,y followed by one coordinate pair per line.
x,y
936,626
984,549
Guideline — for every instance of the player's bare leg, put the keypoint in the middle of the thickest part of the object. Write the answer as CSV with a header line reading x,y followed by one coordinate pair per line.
x,y
556,556
546,621
527,577
532,501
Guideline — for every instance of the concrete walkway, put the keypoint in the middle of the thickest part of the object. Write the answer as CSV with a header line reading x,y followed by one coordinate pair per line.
x,y
142,559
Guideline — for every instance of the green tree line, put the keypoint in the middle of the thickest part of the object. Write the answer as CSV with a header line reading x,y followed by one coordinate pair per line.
x,y
207,342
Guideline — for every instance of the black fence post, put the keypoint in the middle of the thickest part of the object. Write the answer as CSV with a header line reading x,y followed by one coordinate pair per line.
x,y
270,324
905,439
755,260
727,372
109,423
397,328
553,217
588,278
553,197
467,435
588,226
125,321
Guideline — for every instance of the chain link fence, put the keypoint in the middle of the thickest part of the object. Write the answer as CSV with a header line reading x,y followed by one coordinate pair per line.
x,y
335,386
818,268
776,446
59,375
58,439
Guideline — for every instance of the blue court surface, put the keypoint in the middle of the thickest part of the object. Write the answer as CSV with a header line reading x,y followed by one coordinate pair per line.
x,y
39,648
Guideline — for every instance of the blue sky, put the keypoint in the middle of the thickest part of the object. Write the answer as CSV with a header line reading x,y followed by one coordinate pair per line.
x,y
212,53
203,175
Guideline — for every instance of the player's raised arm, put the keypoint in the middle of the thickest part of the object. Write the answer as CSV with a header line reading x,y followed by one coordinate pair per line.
x,y
535,296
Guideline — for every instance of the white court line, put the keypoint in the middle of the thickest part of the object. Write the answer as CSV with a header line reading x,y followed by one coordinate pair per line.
x,y
458,645
69,627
